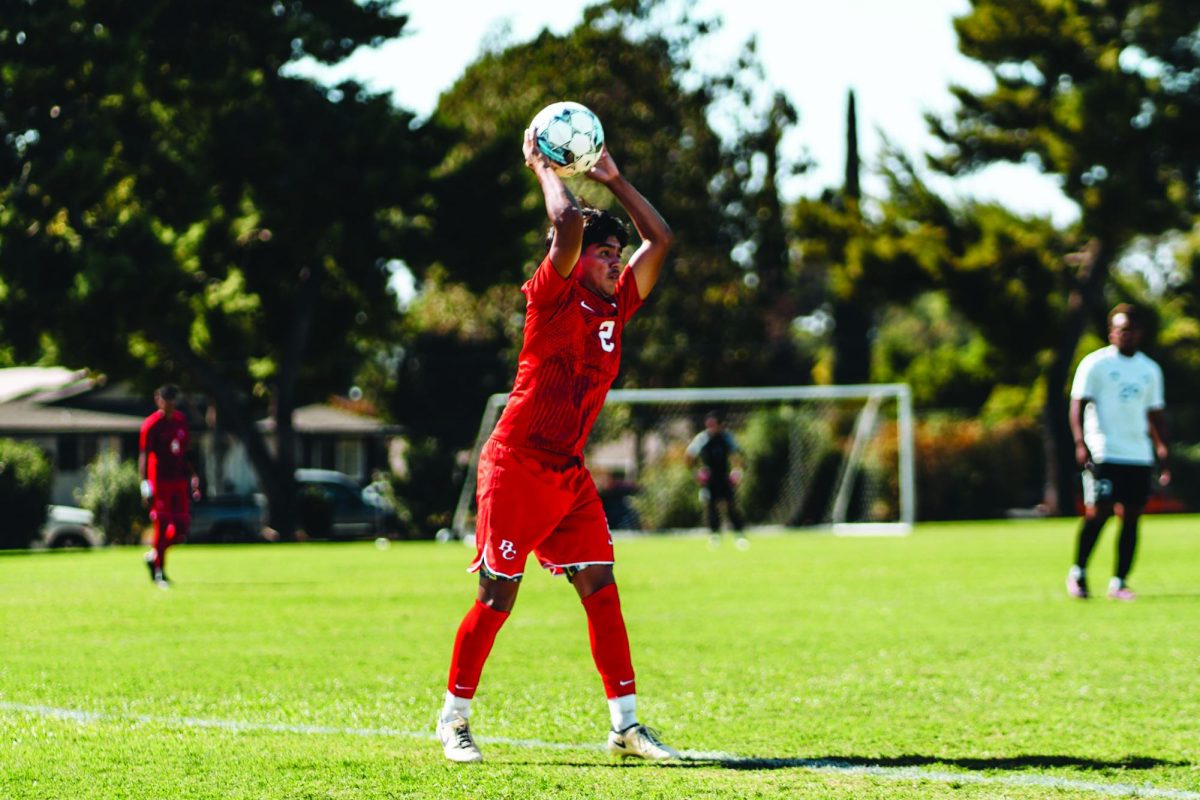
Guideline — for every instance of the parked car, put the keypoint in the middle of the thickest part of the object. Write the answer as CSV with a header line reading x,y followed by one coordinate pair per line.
x,y
228,518
332,504
68,526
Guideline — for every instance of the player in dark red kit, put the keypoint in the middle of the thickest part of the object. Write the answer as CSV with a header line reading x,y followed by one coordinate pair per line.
x,y
168,479
535,494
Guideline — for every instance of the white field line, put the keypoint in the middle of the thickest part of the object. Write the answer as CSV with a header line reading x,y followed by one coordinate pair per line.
x,y
718,758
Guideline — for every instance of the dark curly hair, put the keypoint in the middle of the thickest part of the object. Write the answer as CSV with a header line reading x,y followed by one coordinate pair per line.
x,y
598,225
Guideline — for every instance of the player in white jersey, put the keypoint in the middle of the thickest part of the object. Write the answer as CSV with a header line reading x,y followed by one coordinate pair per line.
x,y
1120,433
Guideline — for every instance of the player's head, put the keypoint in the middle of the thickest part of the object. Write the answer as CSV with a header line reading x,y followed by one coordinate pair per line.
x,y
604,237
599,226
166,396
1125,328
712,421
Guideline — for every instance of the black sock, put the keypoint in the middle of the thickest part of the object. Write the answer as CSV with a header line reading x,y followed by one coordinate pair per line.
x,y
1126,547
1089,532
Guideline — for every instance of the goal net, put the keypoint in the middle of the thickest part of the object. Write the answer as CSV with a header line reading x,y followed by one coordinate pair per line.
x,y
837,457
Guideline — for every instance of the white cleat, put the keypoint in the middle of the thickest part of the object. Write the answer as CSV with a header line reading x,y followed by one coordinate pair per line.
x,y
457,741
638,741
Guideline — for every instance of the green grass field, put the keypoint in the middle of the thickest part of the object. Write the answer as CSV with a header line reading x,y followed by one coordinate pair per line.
x,y
946,663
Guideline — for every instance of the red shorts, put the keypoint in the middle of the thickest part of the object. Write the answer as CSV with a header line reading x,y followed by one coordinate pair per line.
x,y
170,503
530,504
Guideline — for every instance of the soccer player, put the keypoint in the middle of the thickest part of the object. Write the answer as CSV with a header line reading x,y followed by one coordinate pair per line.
x,y
715,448
1120,430
167,476
534,493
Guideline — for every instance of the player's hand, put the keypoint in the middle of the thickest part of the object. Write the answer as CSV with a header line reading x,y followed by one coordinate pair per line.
x,y
605,170
147,490
535,159
702,476
1164,476
735,477
195,488
1083,457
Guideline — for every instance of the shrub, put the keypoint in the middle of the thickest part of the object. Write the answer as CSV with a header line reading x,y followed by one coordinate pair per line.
x,y
764,441
675,501
25,477
426,494
1185,474
110,491
967,469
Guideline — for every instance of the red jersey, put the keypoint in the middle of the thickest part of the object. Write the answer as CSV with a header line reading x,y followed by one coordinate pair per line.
x,y
568,361
165,441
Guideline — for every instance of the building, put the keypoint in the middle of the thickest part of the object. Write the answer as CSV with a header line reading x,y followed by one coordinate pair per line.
x,y
74,417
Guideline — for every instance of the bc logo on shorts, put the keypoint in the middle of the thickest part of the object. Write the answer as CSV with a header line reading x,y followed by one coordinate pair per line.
x,y
1095,489
507,550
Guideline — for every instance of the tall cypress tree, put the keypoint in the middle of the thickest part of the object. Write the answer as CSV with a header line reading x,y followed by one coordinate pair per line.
x,y
851,318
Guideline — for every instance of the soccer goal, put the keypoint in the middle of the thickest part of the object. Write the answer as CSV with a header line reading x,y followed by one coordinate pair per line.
x,y
833,457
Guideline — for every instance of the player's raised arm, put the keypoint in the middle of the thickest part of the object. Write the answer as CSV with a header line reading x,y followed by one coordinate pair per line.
x,y
561,208
656,235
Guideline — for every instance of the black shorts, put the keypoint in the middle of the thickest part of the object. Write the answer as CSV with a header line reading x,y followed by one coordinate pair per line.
x,y
1127,484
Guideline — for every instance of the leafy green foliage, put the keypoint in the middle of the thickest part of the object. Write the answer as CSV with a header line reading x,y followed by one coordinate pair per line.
x,y
766,441
1101,94
967,469
228,224
931,347
428,491
111,492
24,491
676,500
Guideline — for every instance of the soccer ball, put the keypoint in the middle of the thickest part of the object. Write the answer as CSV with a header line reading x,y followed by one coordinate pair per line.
x,y
570,135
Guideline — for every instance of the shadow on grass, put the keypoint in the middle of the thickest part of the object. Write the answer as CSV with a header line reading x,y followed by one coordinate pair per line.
x,y
1025,762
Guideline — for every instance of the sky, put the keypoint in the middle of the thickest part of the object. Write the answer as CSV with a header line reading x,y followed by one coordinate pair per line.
x,y
898,57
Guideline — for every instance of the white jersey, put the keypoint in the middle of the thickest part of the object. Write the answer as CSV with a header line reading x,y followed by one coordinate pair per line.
x,y
1120,390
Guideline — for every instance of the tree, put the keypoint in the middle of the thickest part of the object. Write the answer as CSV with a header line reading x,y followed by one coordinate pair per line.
x,y
851,319
163,178
1105,96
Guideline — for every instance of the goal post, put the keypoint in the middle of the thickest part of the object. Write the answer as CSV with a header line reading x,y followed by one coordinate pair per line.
x,y
838,458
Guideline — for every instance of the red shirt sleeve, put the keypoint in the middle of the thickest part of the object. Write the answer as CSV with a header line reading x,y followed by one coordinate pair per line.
x,y
144,434
628,299
546,286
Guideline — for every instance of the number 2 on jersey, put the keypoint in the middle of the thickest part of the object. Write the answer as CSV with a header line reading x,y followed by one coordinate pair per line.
x,y
606,335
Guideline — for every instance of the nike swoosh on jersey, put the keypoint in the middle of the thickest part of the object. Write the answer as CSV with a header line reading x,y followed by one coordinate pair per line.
x,y
585,305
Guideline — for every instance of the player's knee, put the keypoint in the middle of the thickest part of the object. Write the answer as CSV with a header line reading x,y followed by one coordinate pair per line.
x,y
592,579
498,595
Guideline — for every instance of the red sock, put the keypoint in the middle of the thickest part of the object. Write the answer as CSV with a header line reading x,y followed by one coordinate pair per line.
x,y
610,642
475,637
162,539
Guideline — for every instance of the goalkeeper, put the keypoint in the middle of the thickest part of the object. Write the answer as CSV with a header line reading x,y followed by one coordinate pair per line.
x,y
716,449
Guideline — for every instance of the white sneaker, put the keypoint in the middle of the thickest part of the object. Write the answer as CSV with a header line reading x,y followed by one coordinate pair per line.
x,y
457,741
638,741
